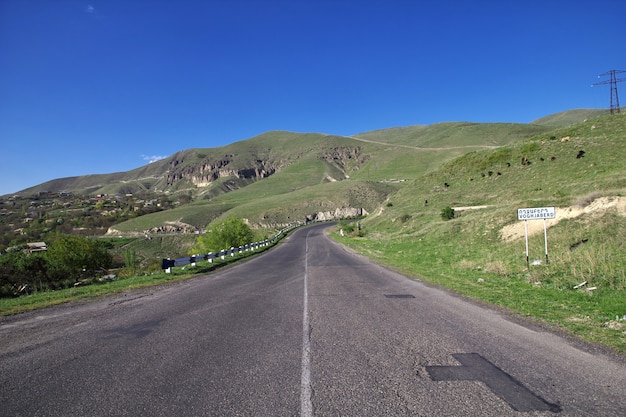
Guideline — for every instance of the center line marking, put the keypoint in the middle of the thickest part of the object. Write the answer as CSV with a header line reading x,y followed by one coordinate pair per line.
x,y
306,406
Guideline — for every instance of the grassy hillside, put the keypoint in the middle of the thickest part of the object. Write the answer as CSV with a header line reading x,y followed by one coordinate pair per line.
x,y
470,254
570,117
280,147
458,134
317,166
140,179
553,175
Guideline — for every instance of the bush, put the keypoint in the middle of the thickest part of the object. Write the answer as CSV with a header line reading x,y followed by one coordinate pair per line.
x,y
447,213
130,260
69,259
234,232
352,229
347,227
75,257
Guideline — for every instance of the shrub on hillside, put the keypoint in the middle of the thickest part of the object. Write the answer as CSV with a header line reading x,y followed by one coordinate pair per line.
x,y
447,213
352,229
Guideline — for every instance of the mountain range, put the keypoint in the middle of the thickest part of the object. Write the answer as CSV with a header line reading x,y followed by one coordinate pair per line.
x,y
278,176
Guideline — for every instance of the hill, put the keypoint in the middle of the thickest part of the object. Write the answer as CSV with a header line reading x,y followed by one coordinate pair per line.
x,y
211,171
279,176
569,117
458,134
265,154
558,167
271,180
293,175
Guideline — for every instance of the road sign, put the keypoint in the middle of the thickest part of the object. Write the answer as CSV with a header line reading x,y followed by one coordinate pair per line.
x,y
537,213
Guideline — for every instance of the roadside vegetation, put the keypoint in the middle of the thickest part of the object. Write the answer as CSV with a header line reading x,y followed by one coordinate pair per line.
x,y
141,268
69,261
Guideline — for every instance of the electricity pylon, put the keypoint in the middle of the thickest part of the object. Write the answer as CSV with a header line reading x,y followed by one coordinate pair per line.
x,y
613,82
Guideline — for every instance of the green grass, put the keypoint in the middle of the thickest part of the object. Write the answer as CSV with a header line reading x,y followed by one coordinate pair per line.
x,y
44,299
150,251
465,255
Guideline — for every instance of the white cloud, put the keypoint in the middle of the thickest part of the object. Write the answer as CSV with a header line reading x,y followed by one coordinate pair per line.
x,y
152,158
90,9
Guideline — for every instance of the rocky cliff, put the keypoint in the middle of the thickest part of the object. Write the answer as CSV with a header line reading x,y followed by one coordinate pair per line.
x,y
210,170
253,166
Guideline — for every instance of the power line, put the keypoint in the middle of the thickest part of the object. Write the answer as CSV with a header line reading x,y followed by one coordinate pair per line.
x,y
613,80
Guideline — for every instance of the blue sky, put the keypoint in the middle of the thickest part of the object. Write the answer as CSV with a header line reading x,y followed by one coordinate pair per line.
x,y
101,86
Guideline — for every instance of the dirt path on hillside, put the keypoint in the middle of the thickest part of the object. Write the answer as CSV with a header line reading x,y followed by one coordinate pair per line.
x,y
423,148
598,206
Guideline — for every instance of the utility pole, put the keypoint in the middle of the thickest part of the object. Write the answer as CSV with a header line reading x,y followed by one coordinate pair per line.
x,y
613,82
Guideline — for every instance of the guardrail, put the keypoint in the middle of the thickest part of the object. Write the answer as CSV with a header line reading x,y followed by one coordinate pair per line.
x,y
168,264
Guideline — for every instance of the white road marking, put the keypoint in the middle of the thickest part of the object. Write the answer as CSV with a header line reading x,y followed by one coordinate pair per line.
x,y
306,406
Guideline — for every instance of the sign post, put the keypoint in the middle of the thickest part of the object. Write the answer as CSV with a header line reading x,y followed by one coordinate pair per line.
x,y
537,213
545,239
526,234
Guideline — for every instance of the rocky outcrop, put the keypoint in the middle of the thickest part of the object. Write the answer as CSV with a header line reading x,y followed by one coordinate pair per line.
x,y
166,228
339,213
344,157
252,167
173,227
209,171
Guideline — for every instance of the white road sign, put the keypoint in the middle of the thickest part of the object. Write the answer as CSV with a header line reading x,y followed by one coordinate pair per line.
x,y
537,213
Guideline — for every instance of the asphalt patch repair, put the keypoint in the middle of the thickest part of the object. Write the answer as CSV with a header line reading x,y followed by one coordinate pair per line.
x,y
476,368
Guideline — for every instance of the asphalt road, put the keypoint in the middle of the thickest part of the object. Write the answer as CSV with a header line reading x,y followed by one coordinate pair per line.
x,y
307,329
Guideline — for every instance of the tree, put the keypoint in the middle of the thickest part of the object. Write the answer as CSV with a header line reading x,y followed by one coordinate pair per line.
x,y
9,273
74,257
33,269
233,232
21,273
